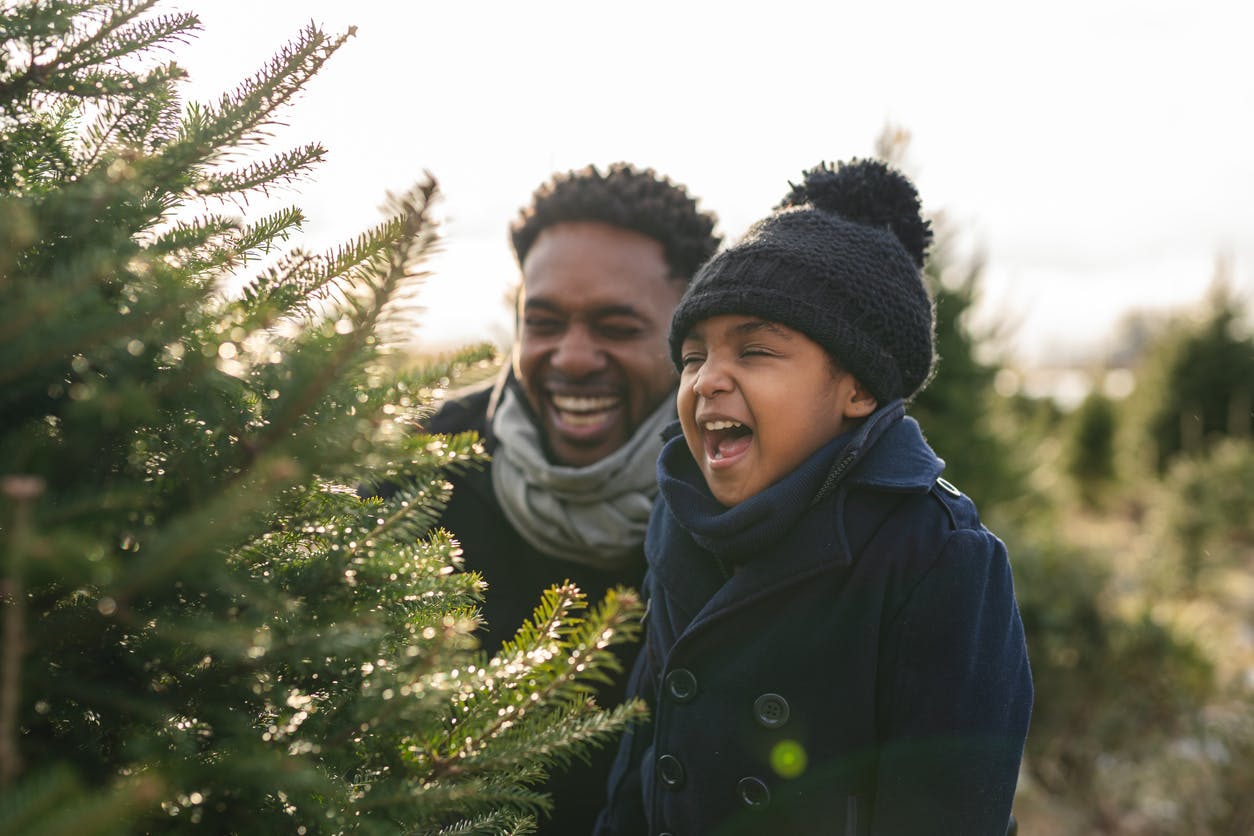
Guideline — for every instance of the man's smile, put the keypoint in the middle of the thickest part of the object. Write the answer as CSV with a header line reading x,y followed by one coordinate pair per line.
x,y
583,412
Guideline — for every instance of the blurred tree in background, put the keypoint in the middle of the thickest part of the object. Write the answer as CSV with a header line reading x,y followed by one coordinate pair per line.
x,y
1090,447
957,411
204,628
1197,381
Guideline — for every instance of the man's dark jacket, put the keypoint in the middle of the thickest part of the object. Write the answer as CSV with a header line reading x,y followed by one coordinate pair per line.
x,y
517,575
866,674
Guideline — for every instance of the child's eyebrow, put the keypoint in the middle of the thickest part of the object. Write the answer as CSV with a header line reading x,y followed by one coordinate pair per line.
x,y
755,325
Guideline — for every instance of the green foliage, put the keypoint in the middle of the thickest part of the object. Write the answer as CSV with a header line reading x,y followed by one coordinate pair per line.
x,y
1203,514
1197,384
959,409
204,627
1109,683
1090,447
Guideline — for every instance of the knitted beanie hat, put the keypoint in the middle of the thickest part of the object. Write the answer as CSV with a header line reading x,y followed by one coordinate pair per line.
x,y
840,260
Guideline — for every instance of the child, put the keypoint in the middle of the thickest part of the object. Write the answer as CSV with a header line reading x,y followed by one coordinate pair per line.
x,y
832,640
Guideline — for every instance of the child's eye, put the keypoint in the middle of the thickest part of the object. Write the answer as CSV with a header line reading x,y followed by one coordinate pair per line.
x,y
689,360
756,351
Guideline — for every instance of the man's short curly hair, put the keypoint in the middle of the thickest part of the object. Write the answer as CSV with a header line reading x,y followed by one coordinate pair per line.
x,y
637,199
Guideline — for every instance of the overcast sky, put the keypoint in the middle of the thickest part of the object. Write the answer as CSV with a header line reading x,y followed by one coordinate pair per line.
x,y
1098,153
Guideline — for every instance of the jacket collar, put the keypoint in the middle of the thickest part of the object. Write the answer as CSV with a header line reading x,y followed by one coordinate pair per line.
x,y
893,455
888,453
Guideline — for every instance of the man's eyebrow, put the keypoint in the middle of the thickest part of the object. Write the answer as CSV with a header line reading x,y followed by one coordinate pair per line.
x,y
596,313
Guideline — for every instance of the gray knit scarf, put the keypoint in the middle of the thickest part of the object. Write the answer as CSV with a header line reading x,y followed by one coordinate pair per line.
x,y
595,515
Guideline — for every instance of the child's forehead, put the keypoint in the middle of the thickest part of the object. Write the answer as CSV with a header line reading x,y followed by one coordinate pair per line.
x,y
730,326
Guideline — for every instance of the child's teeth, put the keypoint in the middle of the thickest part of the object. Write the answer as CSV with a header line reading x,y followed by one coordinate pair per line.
x,y
722,425
718,454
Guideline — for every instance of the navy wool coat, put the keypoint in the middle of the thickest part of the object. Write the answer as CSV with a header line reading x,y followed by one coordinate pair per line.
x,y
865,675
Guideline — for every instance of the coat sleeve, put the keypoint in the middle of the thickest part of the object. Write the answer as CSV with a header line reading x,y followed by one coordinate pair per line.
x,y
954,714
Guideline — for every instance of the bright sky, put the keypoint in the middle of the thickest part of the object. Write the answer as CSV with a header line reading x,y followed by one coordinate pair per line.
x,y
1098,152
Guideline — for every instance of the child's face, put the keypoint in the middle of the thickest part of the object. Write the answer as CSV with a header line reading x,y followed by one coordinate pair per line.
x,y
756,398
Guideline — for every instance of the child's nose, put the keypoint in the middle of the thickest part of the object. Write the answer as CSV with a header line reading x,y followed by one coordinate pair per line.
x,y
711,380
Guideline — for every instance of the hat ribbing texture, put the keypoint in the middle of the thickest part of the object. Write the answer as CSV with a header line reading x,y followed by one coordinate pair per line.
x,y
850,287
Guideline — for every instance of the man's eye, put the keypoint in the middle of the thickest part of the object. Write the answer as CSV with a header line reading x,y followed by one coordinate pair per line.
x,y
617,331
542,325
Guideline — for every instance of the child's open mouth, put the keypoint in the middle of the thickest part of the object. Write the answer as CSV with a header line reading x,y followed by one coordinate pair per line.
x,y
725,441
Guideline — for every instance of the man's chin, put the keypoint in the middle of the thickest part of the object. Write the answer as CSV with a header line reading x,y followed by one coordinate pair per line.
x,y
581,451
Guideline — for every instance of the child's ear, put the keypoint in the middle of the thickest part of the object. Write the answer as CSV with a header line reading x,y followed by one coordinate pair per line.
x,y
860,403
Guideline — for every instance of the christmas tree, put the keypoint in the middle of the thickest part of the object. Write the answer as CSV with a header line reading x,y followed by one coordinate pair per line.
x,y
205,628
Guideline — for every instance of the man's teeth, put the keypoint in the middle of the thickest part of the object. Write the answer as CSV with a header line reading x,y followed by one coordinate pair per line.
x,y
721,425
571,403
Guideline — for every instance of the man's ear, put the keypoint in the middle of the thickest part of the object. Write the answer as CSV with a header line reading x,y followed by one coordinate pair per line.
x,y
860,402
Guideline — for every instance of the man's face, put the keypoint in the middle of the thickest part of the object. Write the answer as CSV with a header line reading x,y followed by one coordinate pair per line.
x,y
591,353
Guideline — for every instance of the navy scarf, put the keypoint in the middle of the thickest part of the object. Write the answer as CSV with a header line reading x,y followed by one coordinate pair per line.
x,y
738,533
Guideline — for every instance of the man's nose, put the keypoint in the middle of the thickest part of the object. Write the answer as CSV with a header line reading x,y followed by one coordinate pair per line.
x,y
578,353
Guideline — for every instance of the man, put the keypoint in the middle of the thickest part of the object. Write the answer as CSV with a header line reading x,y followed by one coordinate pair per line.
x,y
573,425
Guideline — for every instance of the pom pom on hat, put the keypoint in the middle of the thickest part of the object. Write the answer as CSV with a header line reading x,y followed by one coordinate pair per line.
x,y
866,192
840,260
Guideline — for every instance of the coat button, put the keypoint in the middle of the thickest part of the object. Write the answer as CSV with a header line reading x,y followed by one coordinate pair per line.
x,y
770,710
670,771
753,793
681,684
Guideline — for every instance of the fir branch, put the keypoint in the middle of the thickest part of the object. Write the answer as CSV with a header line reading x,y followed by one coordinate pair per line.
x,y
409,247
148,120
467,798
260,235
26,805
537,655
190,235
21,491
301,279
554,741
493,824
220,519
281,169
122,34
245,114
244,245
62,72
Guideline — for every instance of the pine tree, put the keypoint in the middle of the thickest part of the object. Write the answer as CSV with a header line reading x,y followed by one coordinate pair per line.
x,y
1089,447
205,629
1196,385
958,408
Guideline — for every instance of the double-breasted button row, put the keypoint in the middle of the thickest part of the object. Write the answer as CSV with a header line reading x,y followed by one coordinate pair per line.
x,y
681,685
670,771
754,793
771,711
